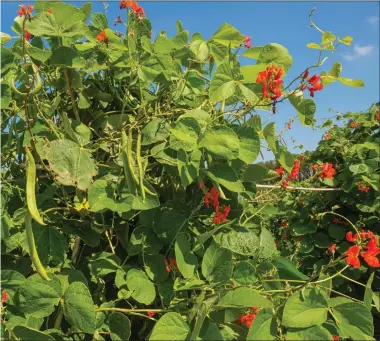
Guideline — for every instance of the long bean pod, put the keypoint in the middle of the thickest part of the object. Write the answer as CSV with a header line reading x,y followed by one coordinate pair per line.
x,y
31,187
126,164
32,247
140,167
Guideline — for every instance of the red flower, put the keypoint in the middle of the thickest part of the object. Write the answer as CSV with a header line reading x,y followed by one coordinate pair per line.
x,y
151,313
315,83
247,319
167,267
27,35
315,167
284,224
370,234
372,243
102,37
306,74
351,238
352,256
49,11
221,216
212,198
4,297
25,11
280,171
370,257
354,124
134,6
327,136
295,170
247,41
271,80
201,185
332,248
328,171
284,184
363,188
335,337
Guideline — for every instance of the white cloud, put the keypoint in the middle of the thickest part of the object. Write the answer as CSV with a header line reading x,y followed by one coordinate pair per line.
x,y
372,20
359,51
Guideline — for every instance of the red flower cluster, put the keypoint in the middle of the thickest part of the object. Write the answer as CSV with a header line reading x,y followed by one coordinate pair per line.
x,y
314,81
332,248
27,35
139,11
327,136
102,37
295,170
212,198
271,79
326,170
247,41
151,313
4,297
170,264
280,171
369,256
363,188
354,124
25,11
335,337
248,317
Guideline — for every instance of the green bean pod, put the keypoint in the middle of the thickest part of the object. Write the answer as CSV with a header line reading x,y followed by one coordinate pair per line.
x,y
128,170
32,247
37,85
31,187
140,167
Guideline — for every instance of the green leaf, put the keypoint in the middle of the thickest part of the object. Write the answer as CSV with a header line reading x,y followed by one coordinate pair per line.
x,y
264,327
286,159
257,172
25,333
143,238
306,310
275,54
239,240
99,20
120,326
249,143
314,46
6,59
11,280
228,35
221,142
51,244
68,276
103,263
244,273
225,175
299,228
142,288
222,85
200,49
336,69
4,38
287,269
184,134
72,164
368,294
167,223
250,72
305,108
78,308
346,40
248,95
355,319
170,326
156,130
243,297
38,54
188,166
66,56
327,37
355,83
266,246
217,264
101,196
39,297
311,333
43,24
186,259
155,267
271,137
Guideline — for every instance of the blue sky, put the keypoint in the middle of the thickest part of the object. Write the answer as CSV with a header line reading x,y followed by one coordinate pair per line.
x,y
286,23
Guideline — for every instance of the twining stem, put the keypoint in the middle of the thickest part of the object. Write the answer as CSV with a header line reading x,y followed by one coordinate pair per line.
x,y
136,312
68,81
331,277
352,280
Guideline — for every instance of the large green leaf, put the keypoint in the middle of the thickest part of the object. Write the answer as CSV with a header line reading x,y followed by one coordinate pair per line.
x,y
257,173
67,56
103,263
167,223
156,130
143,290
264,327
39,297
186,259
301,311
243,297
244,273
275,54
305,108
287,269
26,333
217,264
226,176
188,166
311,333
51,244
155,269
171,326
143,238
222,85
73,165
221,142
78,307
249,143
120,326
271,137
239,240
184,134
228,35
